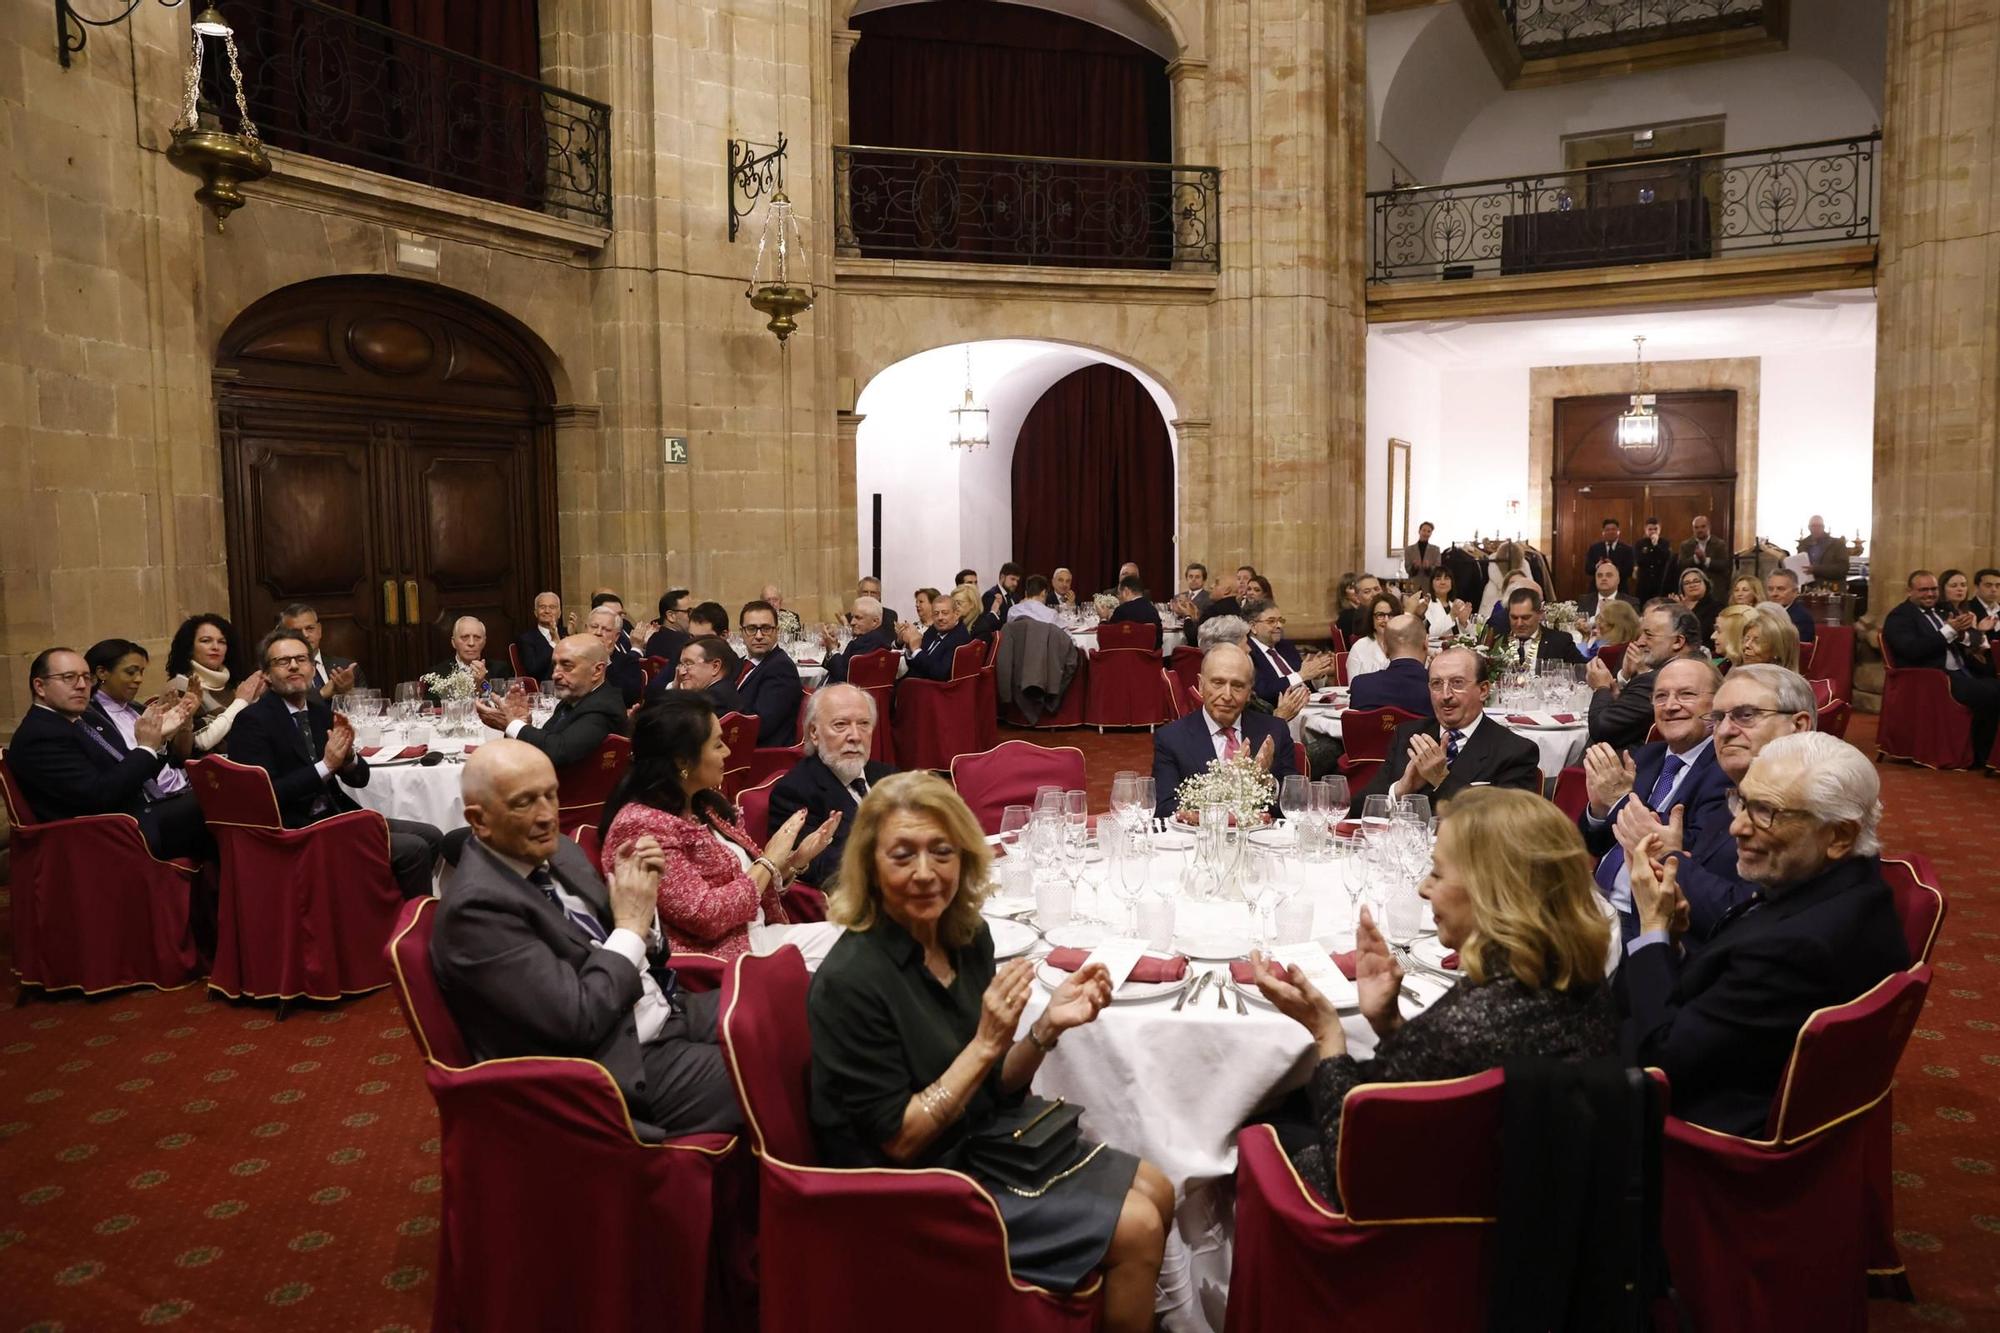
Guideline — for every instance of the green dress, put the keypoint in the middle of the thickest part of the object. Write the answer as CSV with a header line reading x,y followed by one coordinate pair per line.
x,y
883,1029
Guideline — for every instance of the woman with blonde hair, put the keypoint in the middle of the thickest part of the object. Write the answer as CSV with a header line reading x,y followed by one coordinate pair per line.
x,y
1617,622
1745,591
1510,886
1727,639
915,1062
1770,636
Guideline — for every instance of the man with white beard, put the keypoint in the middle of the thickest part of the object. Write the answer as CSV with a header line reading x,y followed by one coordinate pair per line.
x,y
835,774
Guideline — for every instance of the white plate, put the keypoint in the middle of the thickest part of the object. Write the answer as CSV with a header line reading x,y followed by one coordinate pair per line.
x,y
1426,949
1213,946
1001,904
1132,992
1273,837
1011,939
1075,936
1173,840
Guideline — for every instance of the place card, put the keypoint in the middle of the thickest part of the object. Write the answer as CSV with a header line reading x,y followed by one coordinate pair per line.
x,y
1313,960
1119,957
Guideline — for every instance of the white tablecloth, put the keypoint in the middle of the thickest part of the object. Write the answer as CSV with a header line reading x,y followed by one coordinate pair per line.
x,y
1560,747
1086,640
412,791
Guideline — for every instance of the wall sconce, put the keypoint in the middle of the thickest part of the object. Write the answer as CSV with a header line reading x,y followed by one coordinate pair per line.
x,y
72,26
201,146
752,175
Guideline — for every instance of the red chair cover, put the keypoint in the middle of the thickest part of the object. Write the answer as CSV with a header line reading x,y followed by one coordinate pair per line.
x,y
1299,762
1335,640
1920,720
989,704
1340,667
650,667
1128,634
1612,655
1831,714
1068,711
938,1232
1773,1233
1807,651
1365,734
586,839
93,908
803,902
770,761
1832,658
1420,1182
1920,901
302,912
1572,793
739,733
582,787
876,673
1009,773
753,811
938,720
1176,699
1122,691
698,972
550,1140
1186,666
514,659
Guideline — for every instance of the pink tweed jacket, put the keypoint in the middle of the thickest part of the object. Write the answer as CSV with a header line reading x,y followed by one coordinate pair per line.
x,y
707,902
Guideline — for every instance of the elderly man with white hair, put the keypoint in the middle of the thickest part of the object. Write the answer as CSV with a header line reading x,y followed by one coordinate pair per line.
x,y
1223,728
468,654
835,774
871,635
1821,929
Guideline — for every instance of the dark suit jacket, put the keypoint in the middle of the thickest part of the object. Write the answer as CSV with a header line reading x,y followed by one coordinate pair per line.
x,y
1138,609
1623,722
65,774
1268,684
264,735
523,980
1713,561
1705,794
721,696
538,655
772,691
1802,619
874,641
667,642
450,664
812,787
1493,756
986,600
333,663
1182,749
1556,645
575,730
1653,568
1590,603
1624,557
1722,1021
627,673
1403,684
1913,640
932,661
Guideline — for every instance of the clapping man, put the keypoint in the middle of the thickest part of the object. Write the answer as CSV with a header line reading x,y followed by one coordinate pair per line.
x,y
864,622
1439,757
1652,564
1621,705
1529,643
1223,728
588,707
624,669
468,654
708,668
1278,662
1920,634
308,750
928,653
537,644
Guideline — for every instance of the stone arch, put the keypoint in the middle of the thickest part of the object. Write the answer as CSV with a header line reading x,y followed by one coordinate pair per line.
x,y
1153,24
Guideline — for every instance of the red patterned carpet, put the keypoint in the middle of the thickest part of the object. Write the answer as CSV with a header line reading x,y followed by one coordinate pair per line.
x,y
175,1160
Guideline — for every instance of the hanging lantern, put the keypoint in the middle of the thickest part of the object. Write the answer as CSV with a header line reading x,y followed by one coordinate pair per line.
x,y
1639,424
201,146
969,420
774,290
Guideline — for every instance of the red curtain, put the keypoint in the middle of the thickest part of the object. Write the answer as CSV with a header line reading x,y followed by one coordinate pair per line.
x,y
1094,482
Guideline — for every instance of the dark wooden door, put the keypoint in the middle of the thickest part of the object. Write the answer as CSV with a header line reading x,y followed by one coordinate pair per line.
x,y
387,457
1692,471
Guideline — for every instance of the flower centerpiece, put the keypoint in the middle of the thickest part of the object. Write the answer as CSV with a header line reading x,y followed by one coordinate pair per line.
x,y
1560,615
1498,659
450,686
1238,785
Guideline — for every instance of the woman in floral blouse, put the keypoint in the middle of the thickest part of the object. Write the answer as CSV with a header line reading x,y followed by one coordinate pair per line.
x,y
717,882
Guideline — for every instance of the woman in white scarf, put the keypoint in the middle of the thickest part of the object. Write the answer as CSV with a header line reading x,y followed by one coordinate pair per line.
x,y
199,659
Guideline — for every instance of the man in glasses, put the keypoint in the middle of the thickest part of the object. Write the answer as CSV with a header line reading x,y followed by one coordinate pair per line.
x,y
1820,930
1279,663
864,621
1672,787
769,681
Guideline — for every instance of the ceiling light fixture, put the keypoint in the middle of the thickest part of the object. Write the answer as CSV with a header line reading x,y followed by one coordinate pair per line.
x,y
1639,424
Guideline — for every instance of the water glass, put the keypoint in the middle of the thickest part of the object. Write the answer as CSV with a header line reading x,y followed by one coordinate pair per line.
x,y
1291,921
1295,797
1054,903
1156,921
1124,796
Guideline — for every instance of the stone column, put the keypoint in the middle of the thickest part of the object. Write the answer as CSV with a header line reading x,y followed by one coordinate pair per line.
x,y
1937,365
1286,85
1194,466
844,553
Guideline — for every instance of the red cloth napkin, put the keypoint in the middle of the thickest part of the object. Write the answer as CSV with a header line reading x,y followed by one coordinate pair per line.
x,y
407,752
1522,720
1146,969
1450,962
1240,969
1564,718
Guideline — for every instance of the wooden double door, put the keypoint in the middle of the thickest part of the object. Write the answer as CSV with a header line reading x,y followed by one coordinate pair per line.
x,y
388,458
1691,472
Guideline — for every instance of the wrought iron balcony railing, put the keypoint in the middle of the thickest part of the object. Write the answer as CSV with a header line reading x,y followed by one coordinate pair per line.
x,y
1545,28
1695,207
982,208
344,88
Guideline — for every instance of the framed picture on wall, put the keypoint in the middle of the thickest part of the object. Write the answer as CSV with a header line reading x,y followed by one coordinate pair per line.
x,y
1398,526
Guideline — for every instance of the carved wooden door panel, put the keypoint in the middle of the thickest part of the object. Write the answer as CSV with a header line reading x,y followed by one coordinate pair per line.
x,y
387,457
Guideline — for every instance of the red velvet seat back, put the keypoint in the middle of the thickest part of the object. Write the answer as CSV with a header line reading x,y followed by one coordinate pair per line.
x,y
1572,792
1919,901
1920,721
739,733
1119,691
876,673
1185,663
967,659
1128,634
514,659
1822,693
1612,655
581,788
1009,773
765,1039
423,1003
753,810
233,793
1832,658
869,671
1807,650
1416,1151
1176,697
771,762
650,667
1336,641
1845,1057
1365,733
1340,667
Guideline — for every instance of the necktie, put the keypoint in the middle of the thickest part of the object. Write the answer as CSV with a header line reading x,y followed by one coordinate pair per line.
x,y
319,675
1522,645
1613,876
859,787
584,921
1452,739
303,721
1231,744
1665,784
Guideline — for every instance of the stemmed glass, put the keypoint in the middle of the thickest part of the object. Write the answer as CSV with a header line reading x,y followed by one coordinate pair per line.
x,y
1128,862
1376,809
1014,821
1124,797
1295,797
1258,884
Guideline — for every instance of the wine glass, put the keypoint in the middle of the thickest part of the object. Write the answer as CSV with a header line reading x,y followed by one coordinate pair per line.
x,y
1376,809
1123,797
1257,884
1414,810
1294,797
1128,873
1145,797
1014,819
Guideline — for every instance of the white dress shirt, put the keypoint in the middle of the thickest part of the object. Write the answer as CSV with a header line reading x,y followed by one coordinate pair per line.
x,y
1218,735
1406,785
1621,888
651,1011
1285,673
1365,656
125,717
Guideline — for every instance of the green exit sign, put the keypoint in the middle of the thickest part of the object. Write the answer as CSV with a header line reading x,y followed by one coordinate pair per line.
x,y
676,449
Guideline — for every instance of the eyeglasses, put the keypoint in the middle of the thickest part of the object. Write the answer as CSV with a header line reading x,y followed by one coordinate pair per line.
x,y
759,629
288,661
1762,814
65,677
1742,715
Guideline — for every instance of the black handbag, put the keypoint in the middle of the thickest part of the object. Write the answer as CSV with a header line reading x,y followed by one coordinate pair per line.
x,y
1030,1147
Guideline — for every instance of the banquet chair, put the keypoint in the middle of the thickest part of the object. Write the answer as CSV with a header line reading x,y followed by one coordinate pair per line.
x,y
1300,764
302,912
1830,714
1069,709
1774,1232
739,733
1920,721
1009,773
582,787
1365,734
1612,655
514,660
652,666
876,673
1572,793
937,1231
1185,663
753,810
938,720
768,762
1177,707
550,1139
1340,667
1806,652
1335,640
93,908
1120,692
1832,659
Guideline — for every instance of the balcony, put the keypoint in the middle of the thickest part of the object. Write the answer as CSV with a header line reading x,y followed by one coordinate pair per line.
x,y
1554,28
987,209
329,84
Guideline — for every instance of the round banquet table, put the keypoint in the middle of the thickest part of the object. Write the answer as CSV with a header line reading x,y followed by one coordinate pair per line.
x,y
405,789
1561,745
1086,640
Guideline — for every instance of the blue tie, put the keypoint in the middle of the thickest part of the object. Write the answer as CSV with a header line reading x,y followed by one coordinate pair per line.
x,y
584,921
1451,741
1665,784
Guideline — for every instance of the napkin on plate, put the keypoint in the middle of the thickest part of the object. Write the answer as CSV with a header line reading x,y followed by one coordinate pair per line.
x,y
1148,968
1522,720
1565,718
407,752
1241,972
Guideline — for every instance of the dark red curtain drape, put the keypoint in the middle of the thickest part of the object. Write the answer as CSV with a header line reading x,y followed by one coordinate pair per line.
x,y
975,77
1094,482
